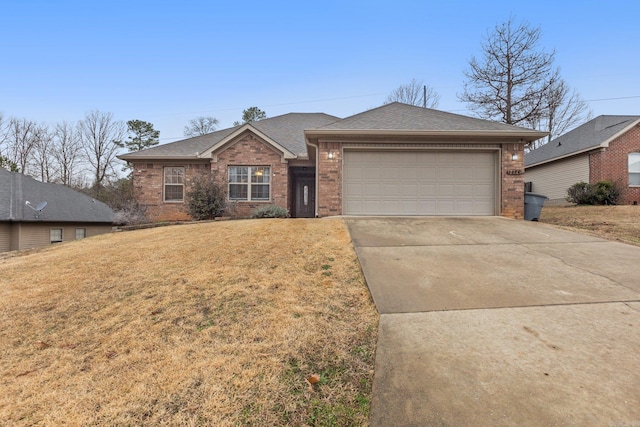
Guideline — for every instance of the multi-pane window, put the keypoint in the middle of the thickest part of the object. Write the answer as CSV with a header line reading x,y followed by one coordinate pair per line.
x,y
249,182
81,233
55,235
173,184
634,169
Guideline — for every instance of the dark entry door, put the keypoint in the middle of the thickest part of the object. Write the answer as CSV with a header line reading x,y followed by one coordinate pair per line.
x,y
305,197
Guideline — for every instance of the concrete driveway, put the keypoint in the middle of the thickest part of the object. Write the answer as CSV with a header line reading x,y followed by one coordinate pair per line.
x,y
491,321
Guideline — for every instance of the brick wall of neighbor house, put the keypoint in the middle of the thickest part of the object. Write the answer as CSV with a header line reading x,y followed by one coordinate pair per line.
x,y
148,188
612,164
250,151
329,172
512,203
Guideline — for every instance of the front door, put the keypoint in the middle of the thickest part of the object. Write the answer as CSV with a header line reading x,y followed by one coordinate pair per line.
x,y
305,197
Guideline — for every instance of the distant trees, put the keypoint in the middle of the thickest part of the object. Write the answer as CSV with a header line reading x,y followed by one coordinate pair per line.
x,y
415,93
67,153
101,136
250,115
21,136
515,82
200,126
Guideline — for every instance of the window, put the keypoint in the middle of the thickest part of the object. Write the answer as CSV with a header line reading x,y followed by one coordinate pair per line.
x,y
173,184
249,182
55,235
81,233
634,169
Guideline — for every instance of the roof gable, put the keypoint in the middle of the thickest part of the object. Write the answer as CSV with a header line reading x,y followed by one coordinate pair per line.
x,y
63,203
285,133
595,133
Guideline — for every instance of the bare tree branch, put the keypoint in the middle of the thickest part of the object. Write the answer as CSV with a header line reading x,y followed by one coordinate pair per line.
x,y
200,126
513,78
66,152
101,137
413,93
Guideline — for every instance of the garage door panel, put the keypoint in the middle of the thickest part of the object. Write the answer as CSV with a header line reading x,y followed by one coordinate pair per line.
x,y
419,183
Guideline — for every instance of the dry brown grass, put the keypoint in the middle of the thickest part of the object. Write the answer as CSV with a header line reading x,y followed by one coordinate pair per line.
x,y
205,324
610,222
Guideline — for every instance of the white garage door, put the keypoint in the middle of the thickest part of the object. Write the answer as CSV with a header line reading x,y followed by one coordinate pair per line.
x,y
419,183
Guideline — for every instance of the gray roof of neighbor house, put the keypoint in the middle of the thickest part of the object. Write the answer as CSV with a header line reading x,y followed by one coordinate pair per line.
x,y
593,134
399,118
287,130
63,203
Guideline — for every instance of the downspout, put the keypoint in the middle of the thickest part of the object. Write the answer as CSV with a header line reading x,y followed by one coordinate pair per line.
x,y
317,180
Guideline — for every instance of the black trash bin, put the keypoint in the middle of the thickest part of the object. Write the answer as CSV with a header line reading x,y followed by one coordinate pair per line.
x,y
533,206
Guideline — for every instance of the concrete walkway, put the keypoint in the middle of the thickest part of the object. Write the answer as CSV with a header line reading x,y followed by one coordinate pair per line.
x,y
491,321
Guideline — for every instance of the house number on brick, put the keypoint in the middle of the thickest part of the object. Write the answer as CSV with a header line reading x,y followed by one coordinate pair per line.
x,y
515,171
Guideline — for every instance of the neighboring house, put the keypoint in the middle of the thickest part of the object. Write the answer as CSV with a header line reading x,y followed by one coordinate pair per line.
x,y
605,148
27,222
392,160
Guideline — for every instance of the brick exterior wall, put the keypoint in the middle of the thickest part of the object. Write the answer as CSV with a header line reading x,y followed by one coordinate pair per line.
x,y
612,164
148,182
329,192
512,188
250,151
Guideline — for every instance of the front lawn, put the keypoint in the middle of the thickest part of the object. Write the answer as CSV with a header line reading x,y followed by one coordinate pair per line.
x,y
222,323
609,222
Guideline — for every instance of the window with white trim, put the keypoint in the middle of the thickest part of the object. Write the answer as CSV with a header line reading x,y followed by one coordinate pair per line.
x,y
634,169
81,233
173,184
249,183
55,235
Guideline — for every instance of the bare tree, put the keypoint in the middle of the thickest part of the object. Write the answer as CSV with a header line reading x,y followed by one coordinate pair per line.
x,y
100,137
21,138
66,152
512,80
42,160
201,126
564,109
415,93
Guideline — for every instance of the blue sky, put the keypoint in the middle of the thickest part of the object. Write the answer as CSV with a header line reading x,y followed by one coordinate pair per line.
x,y
167,62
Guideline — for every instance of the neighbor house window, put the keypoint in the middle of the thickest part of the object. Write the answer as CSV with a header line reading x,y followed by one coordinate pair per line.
x,y
249,182
55,235
173,184
81,233
634,169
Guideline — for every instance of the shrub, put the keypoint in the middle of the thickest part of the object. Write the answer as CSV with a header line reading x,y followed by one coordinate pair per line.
x,y
600,193
131,213
606,193
580,193
205,199
270,211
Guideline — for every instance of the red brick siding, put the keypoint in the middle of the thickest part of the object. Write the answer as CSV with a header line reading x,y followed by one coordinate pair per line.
x,y
612,164
250,151
329,172
512,188
148,189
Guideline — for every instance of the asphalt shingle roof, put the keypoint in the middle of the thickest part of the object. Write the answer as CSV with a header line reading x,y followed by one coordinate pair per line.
x,y
287,130
404,117
63,203
588,136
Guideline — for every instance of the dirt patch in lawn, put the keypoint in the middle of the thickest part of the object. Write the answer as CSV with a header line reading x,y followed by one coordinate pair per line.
x,y
257,322
610,222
